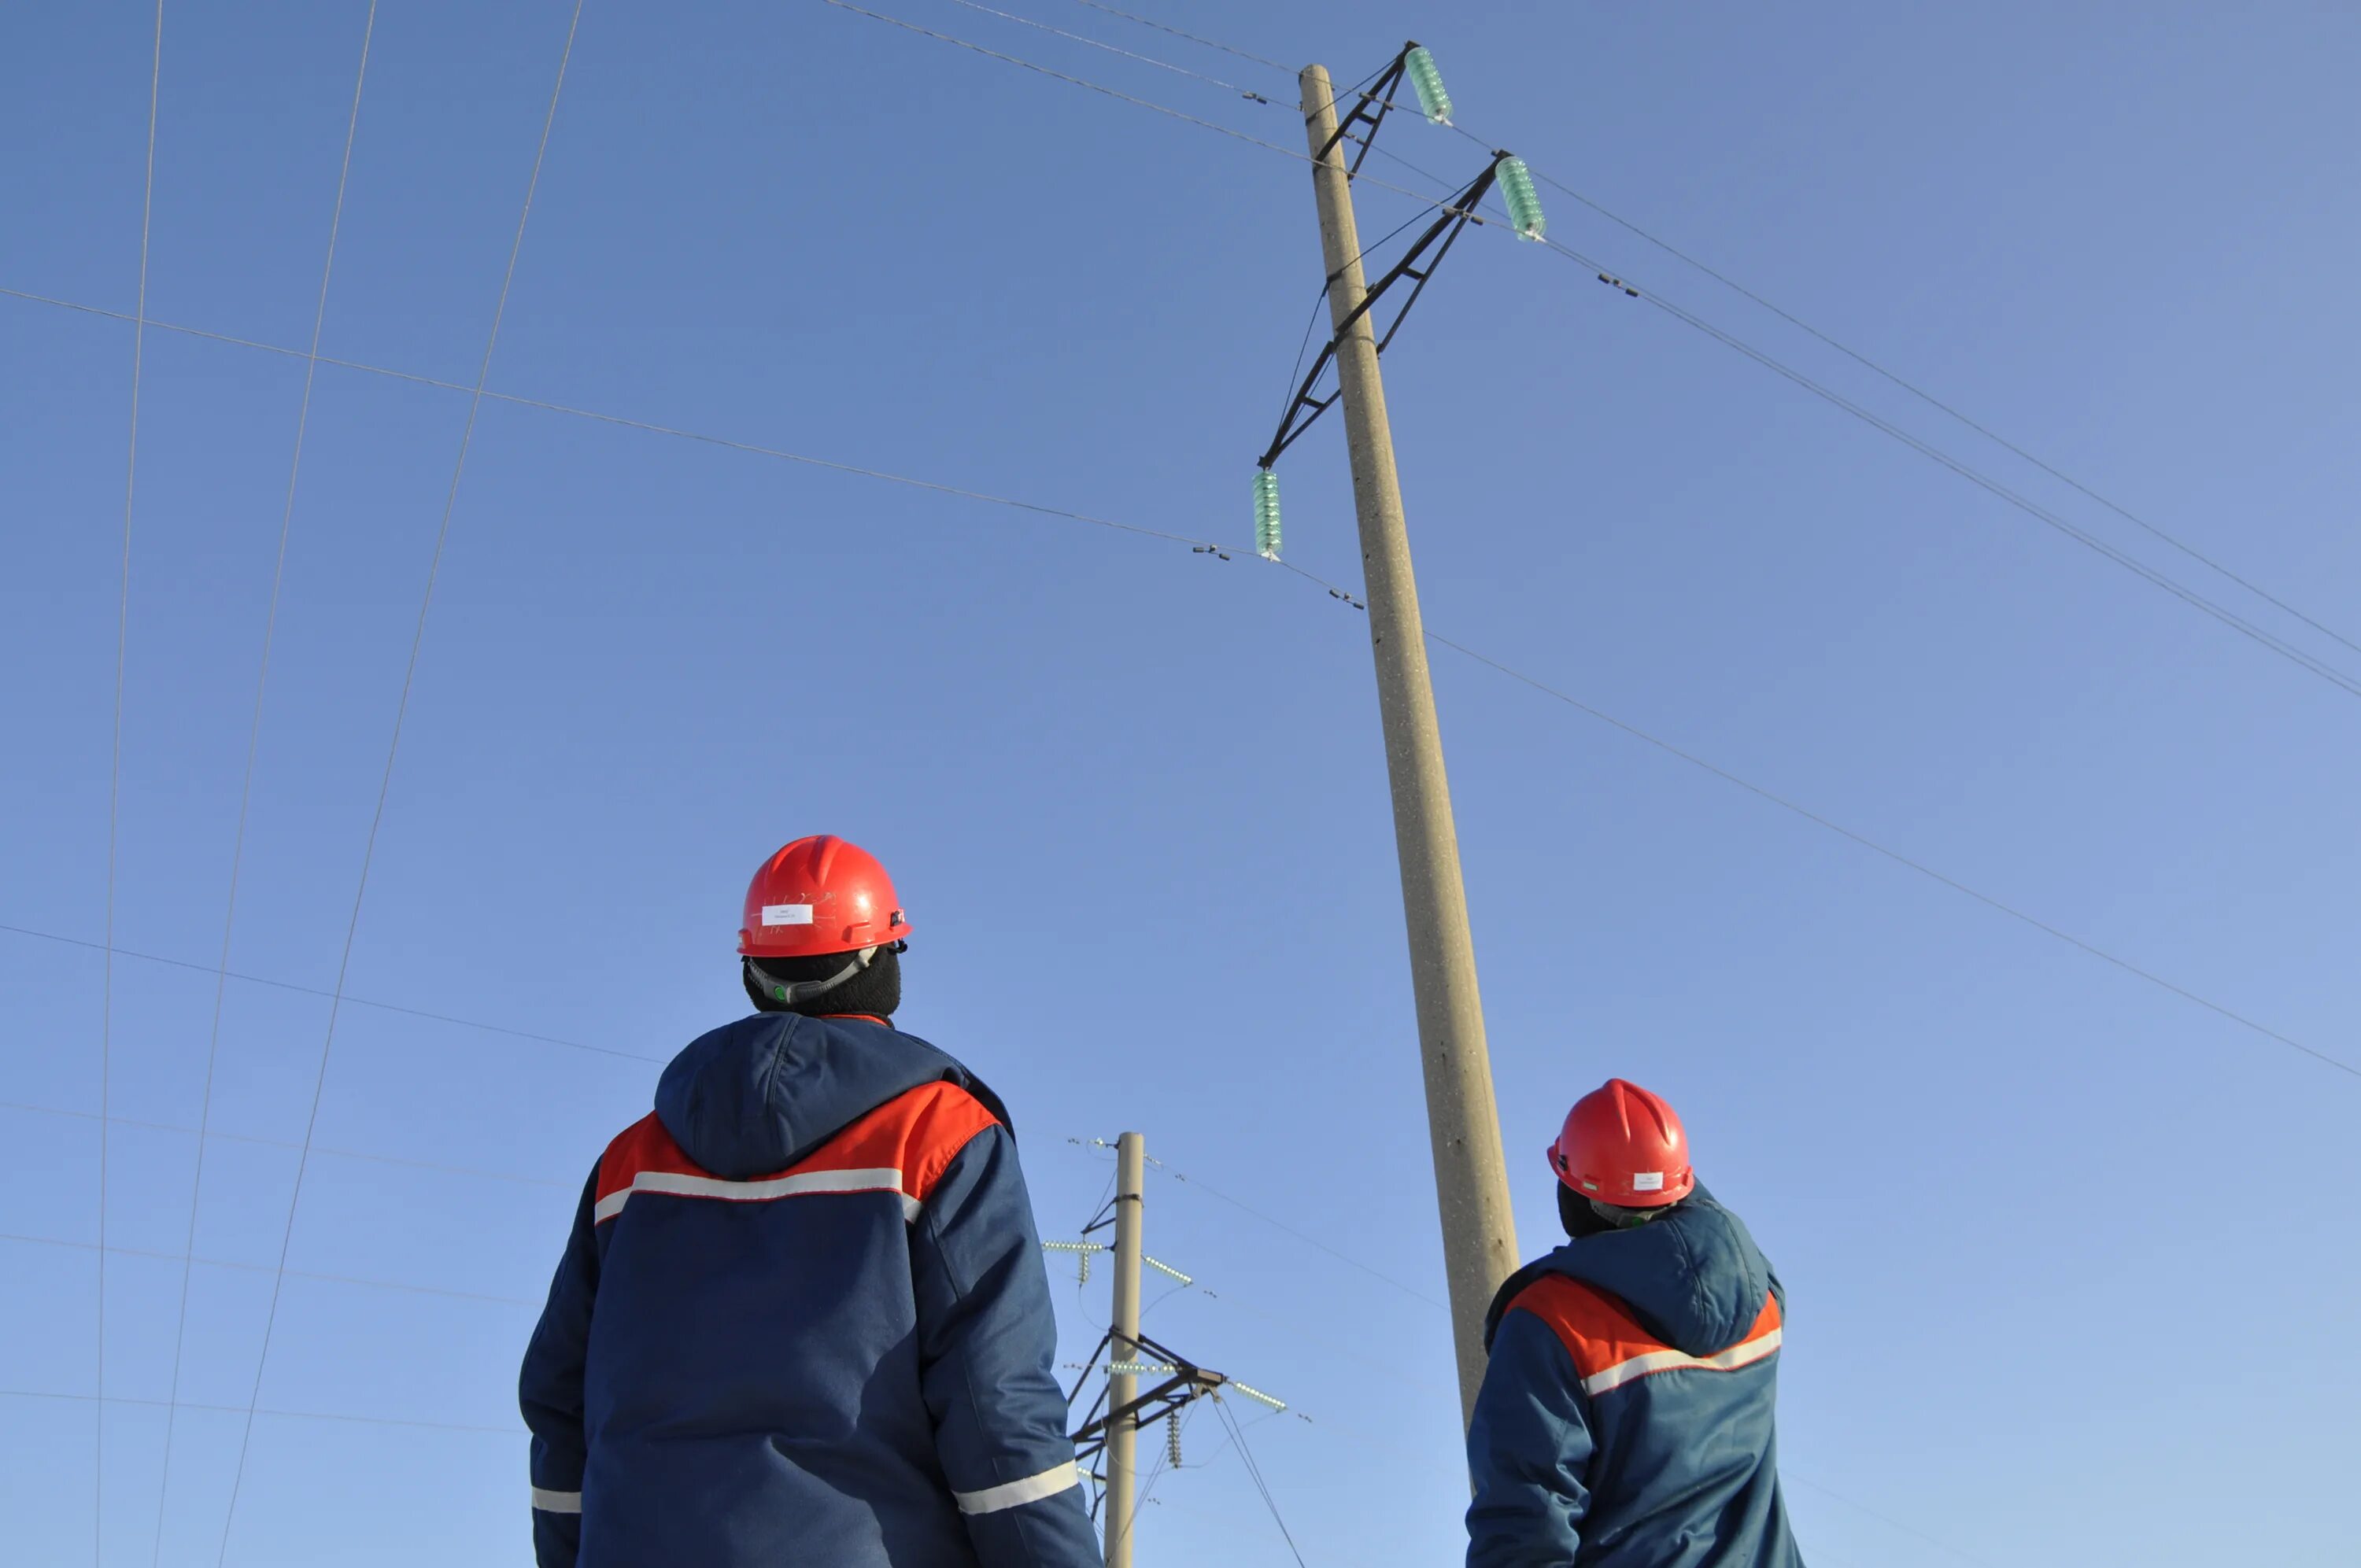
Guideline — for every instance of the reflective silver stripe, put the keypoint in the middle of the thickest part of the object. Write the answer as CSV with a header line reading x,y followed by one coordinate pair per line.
x,y
1729,1360
557,1502
679,1186
1011,1494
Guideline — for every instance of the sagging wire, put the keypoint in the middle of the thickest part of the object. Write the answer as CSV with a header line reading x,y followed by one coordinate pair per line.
x,y
1247,93
1333,591
2269,641
385,785
1254,1472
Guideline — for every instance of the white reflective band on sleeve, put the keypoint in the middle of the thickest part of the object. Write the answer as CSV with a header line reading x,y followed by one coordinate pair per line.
x,y
680,1186
1014,1494
1639,1366
557,1502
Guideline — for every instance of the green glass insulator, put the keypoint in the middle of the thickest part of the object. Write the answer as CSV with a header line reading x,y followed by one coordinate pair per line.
x,y
1267,514
1516,182
1429,83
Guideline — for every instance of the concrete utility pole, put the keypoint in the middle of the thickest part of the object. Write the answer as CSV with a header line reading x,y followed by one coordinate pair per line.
x,y
1479,1238
1122,1348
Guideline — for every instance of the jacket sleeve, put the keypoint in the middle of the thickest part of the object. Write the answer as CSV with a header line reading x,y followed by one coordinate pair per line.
x,y
550,1391
987,1343
1528,1449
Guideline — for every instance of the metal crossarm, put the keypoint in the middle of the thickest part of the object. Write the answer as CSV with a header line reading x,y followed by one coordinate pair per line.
x,y
1379,95
1188,1381
1440,235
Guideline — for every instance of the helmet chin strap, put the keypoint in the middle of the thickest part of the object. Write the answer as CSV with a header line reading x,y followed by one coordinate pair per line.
x,y
794,993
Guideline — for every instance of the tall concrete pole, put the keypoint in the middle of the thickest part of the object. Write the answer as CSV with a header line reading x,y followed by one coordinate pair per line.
x,y
1123,1344
1479,1238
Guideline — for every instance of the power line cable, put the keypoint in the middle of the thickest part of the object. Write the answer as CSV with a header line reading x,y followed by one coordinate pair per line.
x,y
1886,1520
1929,399
393,750
349,999
705,437
1307,1239
1126,97
1334,590
1898,858
217,1135
1095,43
2289,650
1254,1471
175,1402
1209,43
285,1415
252,750
114,783
1977,477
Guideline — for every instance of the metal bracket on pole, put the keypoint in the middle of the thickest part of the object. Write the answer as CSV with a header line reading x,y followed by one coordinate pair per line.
x,y
1456,215
1187,1382
1379,93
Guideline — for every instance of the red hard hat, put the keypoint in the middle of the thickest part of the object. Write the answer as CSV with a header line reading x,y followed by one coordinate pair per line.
x,y
820,895
1623,1146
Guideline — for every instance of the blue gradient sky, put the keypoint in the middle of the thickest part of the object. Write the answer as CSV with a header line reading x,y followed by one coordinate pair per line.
x,y
2071,1276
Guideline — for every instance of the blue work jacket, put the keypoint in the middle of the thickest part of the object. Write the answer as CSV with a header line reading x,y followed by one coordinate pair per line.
x,y
803,1318
1625,1420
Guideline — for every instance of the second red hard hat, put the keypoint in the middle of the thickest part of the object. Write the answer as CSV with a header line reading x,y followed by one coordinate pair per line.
x,y
820,895
1623,1146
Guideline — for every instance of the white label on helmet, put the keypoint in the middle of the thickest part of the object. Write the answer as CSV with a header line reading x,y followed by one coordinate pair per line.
x,y
786,915
1647,1182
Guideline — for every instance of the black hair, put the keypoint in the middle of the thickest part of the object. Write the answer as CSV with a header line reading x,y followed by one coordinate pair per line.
x,y
1584,1217
875,991
1580,1220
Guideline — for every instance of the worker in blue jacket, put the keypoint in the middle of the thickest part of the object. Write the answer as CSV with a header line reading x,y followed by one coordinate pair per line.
x,y
1625,1420
802,1318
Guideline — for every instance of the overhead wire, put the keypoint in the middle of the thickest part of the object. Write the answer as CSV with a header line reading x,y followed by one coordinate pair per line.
x,y
2291,652
480,391
2287,650
175,1402
1111,48
349,999
1335,590
393,750
646,426
1254,1471
1308,1240
281,1414
1104,90
1898,858
1192,38
1949,409
1931,400
1886,1520
252,751
115,781
217,1135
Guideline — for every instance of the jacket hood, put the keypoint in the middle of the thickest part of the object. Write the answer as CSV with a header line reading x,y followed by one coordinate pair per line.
x,y
1695,1279
756,1096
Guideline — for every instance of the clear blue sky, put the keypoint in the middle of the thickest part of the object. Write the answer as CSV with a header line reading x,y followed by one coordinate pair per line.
x,y
2072,1261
